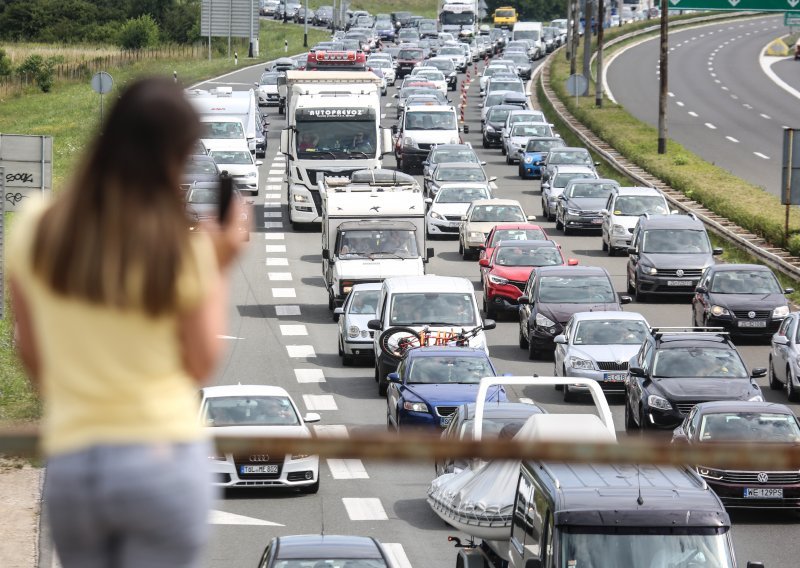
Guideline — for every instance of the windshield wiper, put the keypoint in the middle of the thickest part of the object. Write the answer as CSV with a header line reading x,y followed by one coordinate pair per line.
x,y
394,254
352,155
317,154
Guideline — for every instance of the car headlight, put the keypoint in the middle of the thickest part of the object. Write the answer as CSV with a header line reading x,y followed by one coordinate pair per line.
x,y
251,175
573,211
647,269
475,235
409,142
498,279
709,473
353,331
659,402
780,312
454,140
756,398
299,198
490,128
528,159
578,363
618,230
438,216
415,406
544,321
719,311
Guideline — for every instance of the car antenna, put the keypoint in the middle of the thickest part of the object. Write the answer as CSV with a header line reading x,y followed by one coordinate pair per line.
x,y
639,499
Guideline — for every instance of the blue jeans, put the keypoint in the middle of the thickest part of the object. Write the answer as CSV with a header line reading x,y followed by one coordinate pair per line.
x,y
130,506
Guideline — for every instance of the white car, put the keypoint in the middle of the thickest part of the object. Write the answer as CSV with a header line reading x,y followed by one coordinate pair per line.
x,y
456,54
622,211
386,67
355,338
431,75
236,159
514,144
554,187
491,71
267,89
521,116
258,410
449,205
481,217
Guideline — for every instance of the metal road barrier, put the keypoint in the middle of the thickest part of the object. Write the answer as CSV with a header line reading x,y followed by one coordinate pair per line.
x,y
419,446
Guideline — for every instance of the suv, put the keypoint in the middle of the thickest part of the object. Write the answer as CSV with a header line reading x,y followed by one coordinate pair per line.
x,y
676,369
622,211
668,255
421,128
407,58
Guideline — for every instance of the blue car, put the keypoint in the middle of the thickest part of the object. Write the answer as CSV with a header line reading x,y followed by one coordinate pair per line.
x,y
534,154
432,382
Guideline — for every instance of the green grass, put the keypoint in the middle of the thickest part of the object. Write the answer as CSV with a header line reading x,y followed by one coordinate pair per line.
x,y
70,114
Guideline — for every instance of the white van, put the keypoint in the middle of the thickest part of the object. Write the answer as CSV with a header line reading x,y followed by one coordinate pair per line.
x,y
225,102
531,31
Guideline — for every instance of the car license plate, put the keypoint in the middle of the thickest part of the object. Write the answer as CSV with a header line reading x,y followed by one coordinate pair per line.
x,y
752,323
680,282
453,224
614,377
596,221
763,492
445,421
258,469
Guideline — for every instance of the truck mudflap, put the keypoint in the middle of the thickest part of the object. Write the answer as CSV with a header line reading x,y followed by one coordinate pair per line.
x,y
472,555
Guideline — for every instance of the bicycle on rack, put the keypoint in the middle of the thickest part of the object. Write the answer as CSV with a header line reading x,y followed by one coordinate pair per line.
x,y
396,341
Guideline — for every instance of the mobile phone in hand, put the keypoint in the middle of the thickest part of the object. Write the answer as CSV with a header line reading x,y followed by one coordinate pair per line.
x,y
225,198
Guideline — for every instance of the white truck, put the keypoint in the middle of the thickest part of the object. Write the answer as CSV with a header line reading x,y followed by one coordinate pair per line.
x,y
332,128
227,104
373,228
458,17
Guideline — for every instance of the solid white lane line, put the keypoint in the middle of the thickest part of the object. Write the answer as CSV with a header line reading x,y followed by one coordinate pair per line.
x,y
732,139
309,375
319,402
273,224
275,248
397,554
284,293
295,329
711,126
330,430
347,469
274,236
693,114
364,509
281,276
762,156
287,310
300,351
277,261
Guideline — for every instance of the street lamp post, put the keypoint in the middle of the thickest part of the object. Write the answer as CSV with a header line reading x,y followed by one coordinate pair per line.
x,y
305,26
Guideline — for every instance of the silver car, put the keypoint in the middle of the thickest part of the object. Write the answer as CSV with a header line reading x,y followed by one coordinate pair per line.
x,y
355,339
598,346
554,187
784,357
514,145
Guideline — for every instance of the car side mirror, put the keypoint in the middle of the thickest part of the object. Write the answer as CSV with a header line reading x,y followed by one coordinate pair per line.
x,y
493,178
463,217
523,300
597,163
375,325
780,340
338,311
637,371
788,290
482,163
484,262
701,290
429,252
562,197
259,163
717,251
393,378
394,129
572,262
466,129
531,217
754,564
625,300
394,96
533,563
679,436
758,372
312,417
546,185
560,339
604,212
632,250
489,324
326,254
255,83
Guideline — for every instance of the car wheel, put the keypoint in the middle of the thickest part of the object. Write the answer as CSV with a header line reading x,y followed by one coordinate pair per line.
x,y
642,423
791,390
630,424
523,343
508,159
568,395
341,351
310,489
533,353
503,149
347,360
485,143
521,172
774,383
560,225
640,296
604,246
331,303
488,308
460,248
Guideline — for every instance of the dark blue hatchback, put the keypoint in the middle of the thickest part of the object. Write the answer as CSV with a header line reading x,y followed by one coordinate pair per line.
x,y
534,153
432,382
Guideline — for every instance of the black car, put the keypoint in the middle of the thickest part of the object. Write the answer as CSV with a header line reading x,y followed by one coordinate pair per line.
x,y
676,370
580,205
495,119
199,168
553,293
745,422
324,550
745,299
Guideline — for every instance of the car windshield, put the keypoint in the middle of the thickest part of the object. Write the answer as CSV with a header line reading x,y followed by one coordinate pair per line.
x,y
493,99
204,196
496,214
745,282
410,54
610,332
526,117
249,411
445,156
363,302
269,79
223,130
505,13
410,91
518,59
421,120
693,547
542,145
518,235
748,427
450,51
574,158
239,158
497,114
200,167
441,308
330,562
515,86
528,256
431,75
444,173
561,180
675,241
448,369
443,65
590,190
460,194
576,290
530,130
705,362
639,205
370,243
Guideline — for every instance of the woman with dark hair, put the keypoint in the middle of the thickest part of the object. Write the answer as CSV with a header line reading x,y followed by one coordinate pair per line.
x,y
118,310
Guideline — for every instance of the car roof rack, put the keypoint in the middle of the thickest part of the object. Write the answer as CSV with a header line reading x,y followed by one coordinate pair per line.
x,y
658,332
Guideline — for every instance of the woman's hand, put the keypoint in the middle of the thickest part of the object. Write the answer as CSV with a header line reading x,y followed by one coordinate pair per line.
x,y
230,237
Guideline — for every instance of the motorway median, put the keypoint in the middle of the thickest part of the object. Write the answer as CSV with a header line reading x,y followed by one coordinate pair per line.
x,y
747,205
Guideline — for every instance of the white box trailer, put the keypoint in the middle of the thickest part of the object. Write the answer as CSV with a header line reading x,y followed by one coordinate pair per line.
x,y
225,102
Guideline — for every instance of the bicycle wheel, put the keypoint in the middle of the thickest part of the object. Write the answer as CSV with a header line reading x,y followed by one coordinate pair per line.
x,y
395,341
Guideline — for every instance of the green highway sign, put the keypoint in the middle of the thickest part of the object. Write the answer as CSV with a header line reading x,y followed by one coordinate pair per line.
x,y
791,19
743,5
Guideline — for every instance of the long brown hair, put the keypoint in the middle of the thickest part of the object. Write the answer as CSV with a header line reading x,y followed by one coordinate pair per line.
x,y
118,235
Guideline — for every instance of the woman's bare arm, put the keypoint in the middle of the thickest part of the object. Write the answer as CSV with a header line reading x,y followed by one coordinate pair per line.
x,y
23,333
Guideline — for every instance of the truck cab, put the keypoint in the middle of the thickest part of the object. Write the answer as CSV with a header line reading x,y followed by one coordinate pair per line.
x,y
505,17
421,128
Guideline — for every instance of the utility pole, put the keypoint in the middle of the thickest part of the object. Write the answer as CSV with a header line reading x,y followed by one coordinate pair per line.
x,y
598,85
570,15
620,5
588,13
305,26
575,24
662,94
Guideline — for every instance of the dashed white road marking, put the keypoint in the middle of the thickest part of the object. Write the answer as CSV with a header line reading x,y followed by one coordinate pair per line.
x,y
364,509
274,236
679,103
284,293
275,172
280,276
732,139
330,430
272,187
273,214
225,518
762,156
711,126
671,94
388,105
277,261
309,375
747,106
300,351
397,554
275,248
287,310
295,329
273,224
768,117
347,469
319,402
268,196
270,205
273,179
693,114
724,88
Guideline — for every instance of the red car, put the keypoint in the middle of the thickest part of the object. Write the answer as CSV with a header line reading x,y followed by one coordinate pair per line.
x,y
507,270
511,232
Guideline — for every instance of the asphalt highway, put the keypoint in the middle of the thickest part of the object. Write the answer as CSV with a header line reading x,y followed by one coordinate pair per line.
x,y
282,333
722,104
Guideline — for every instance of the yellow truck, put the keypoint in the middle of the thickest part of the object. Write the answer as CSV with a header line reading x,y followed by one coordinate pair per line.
x,y
505,17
